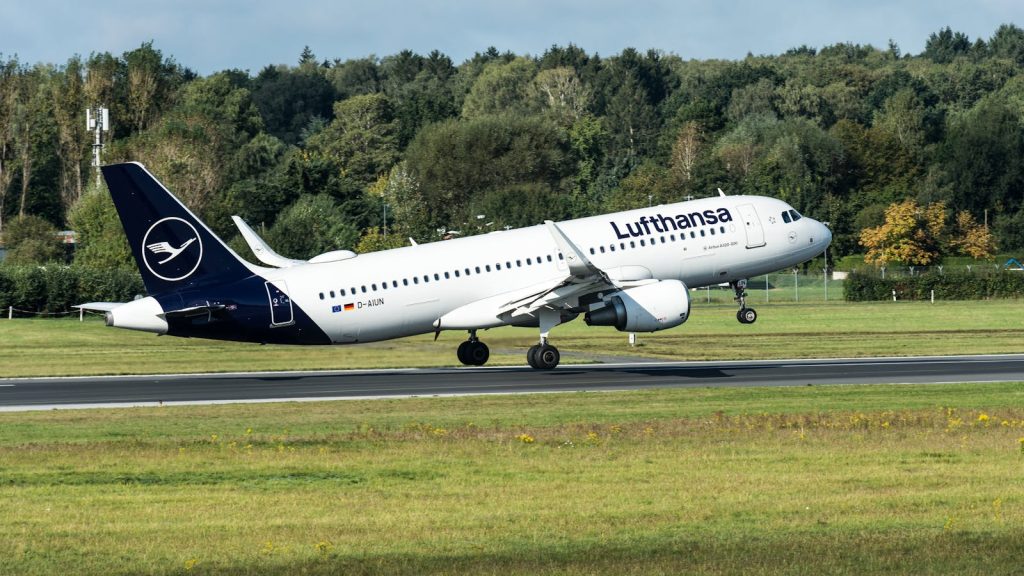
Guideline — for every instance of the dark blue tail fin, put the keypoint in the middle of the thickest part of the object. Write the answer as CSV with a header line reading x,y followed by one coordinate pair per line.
x,y
172,247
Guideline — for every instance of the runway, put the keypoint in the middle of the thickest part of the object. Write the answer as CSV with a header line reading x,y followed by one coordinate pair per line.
x,y
119,391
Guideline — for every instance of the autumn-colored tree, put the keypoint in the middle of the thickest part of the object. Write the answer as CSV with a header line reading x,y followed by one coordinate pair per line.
x,y
911,234
972,239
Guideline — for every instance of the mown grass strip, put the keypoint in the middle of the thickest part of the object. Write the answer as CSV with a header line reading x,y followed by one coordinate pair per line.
x,y
832,479
67,347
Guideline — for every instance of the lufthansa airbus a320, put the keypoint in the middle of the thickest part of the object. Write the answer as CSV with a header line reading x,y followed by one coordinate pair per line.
x,y
632,270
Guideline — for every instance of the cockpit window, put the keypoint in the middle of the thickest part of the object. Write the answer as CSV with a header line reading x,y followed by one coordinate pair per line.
x,y
796,215
786,218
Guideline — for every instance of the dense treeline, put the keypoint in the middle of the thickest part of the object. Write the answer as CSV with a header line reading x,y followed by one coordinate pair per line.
x,y
319,154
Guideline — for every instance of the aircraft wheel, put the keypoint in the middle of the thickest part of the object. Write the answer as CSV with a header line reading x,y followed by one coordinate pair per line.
x,y
461,353
531,355
747,315
546,357
477,353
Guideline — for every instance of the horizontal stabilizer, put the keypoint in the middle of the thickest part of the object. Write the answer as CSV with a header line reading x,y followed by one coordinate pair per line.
x,y
98,306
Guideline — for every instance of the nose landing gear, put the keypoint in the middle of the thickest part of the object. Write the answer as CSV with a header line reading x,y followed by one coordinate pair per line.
x,y
744,315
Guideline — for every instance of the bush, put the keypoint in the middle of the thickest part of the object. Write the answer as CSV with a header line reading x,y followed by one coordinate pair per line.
x,y
861,286
56,288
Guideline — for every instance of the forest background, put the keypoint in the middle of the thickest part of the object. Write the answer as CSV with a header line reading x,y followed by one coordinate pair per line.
x,y
366,153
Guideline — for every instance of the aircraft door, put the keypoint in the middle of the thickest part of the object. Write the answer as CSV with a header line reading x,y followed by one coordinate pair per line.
x,y
280,305
752,226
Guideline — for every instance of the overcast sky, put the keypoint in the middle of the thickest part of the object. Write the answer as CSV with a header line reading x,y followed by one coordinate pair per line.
x,y
212,35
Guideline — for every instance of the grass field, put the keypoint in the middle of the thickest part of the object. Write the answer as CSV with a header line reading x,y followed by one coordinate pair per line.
x,y
33,347
803,480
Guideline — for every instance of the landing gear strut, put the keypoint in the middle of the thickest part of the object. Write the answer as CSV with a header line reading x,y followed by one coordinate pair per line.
x,y
473,352
744,315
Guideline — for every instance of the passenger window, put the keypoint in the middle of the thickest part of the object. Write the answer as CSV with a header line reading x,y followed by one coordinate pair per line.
x,y
456,273
786,218
497,265
508,265
519,263
622,245
364,289
693,234
405,281
426,278
672,237
562,257
374,287
549,257
477,269
712,230
437,276
529,262
383,285
321,295
446,276
612,247
415,280
332,293
487,267
642,242
467,271
591,251
342,292
394,283
702,232
721,229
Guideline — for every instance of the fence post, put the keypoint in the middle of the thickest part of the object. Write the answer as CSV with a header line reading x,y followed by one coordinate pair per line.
x,y
933,296
766,288
10,312
81,314
796,285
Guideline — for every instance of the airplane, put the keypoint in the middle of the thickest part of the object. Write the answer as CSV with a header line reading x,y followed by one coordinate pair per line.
x,y
632,270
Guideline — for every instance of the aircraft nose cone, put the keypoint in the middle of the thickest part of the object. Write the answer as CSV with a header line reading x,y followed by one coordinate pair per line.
x,y
826,234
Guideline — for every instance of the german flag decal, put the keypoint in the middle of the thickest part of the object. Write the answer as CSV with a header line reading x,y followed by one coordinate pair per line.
x,y
350,307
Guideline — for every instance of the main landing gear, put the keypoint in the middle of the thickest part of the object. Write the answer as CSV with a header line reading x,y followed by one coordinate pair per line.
x,y
541,356
744,315
473,352
544,356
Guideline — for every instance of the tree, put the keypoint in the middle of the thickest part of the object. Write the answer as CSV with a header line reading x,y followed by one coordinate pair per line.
x,y
312,225
685,150
945,45
560,91
100,239
501,88
32,240
911,234
362,139
9,71
67,97
972,239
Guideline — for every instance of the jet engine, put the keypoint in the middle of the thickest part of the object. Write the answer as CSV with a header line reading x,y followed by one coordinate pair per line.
x,y
646,308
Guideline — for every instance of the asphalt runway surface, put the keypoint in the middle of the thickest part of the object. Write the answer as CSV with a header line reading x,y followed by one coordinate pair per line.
x,y
114,391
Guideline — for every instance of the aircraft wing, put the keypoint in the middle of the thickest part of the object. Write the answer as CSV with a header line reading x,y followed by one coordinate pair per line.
x,y
560,295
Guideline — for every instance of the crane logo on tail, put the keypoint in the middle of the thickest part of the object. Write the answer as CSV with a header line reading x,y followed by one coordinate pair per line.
x,y
172,249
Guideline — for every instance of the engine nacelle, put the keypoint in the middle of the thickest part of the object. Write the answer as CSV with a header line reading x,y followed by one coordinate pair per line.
x,y
646,308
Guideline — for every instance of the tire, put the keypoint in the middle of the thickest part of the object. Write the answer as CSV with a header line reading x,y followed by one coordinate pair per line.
x,y
546,357
461,353
477,353
749,315
531,355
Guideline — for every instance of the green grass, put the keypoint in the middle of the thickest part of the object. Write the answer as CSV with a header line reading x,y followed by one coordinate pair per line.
x,y
803,480
34,347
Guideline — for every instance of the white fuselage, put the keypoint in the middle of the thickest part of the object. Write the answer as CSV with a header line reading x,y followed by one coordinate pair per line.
x,y
401,292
